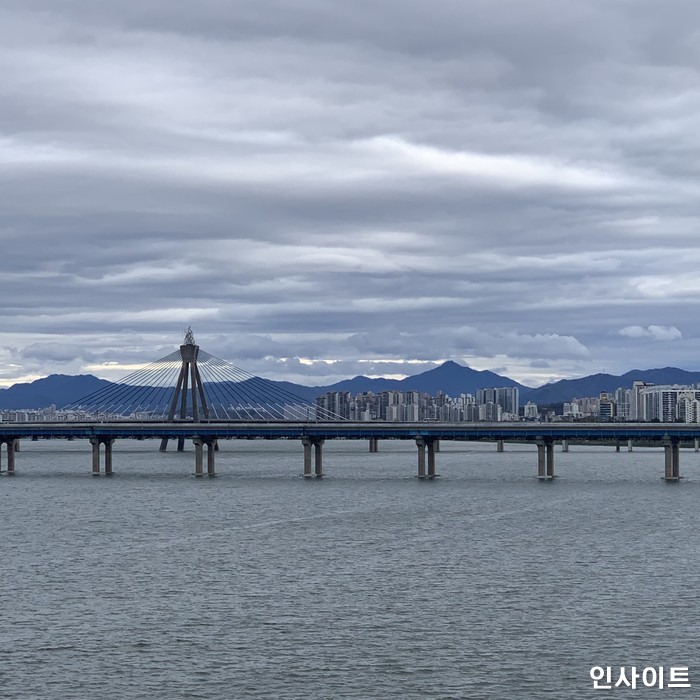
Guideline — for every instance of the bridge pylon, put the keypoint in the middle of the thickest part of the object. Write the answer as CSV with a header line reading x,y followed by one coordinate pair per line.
x,y
188,395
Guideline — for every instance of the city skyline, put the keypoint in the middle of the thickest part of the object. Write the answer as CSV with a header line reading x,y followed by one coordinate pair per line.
x,y
580,397
326,191
642,402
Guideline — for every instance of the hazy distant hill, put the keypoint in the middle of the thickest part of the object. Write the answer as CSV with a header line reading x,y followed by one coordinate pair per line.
x,y
566,389
59,389
450,377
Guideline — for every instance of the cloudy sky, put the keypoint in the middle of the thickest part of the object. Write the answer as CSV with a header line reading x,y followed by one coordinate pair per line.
x,y
324,189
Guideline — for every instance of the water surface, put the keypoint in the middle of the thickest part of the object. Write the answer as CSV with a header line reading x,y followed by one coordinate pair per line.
x,y
369,583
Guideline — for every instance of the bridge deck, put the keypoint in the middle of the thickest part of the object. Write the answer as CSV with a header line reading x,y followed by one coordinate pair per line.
x,y
352,430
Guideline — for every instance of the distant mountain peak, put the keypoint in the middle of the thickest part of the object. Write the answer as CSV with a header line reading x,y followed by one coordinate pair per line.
x,y
450,377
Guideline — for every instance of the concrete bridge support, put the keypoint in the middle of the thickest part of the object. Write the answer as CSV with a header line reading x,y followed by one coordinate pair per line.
x,y
499,446
545,459
432,448
96,442
211,453
374,444
180,444
697,445
565,445
318,457
199,456
306,442
11,449
10,456
672,461
420,444
317,444
630,445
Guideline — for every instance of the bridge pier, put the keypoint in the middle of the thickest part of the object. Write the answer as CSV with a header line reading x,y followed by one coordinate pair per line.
x,y
96,442
672,461
420,444
564,445
545,459
318,457
199,456
374,444
306,442
10,456
211,453
433,447
317,444
11,449
550,459
629,445
108,457
499,446
164,444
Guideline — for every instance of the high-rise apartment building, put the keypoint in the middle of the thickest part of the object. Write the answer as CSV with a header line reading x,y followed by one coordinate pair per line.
x,y
669,403
636,401
530,412
507,397
622,403
606,406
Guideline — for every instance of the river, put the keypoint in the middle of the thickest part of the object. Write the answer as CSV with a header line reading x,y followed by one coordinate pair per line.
x,y
368,583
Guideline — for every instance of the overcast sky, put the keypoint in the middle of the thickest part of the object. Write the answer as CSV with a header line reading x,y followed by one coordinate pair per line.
x,y
324,188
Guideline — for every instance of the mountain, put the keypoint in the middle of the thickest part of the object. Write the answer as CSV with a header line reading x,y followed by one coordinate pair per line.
x,y
665,375
593,385
456,379
58,389
449,378
566,389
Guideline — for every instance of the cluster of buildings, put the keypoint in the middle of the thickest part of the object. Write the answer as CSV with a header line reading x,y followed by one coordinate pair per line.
x,y
497,404
29,415
43,415
644,402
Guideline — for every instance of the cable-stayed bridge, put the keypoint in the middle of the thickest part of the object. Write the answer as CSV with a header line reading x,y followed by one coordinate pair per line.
x,y
191,384
192,395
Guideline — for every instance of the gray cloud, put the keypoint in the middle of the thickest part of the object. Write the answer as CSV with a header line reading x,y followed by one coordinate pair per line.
x,y
326,189
653,332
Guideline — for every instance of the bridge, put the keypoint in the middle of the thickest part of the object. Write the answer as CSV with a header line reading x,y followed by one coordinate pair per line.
x,y
192,395
313,434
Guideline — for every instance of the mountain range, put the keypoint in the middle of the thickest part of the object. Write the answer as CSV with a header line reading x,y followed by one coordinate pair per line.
x,y
450,378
